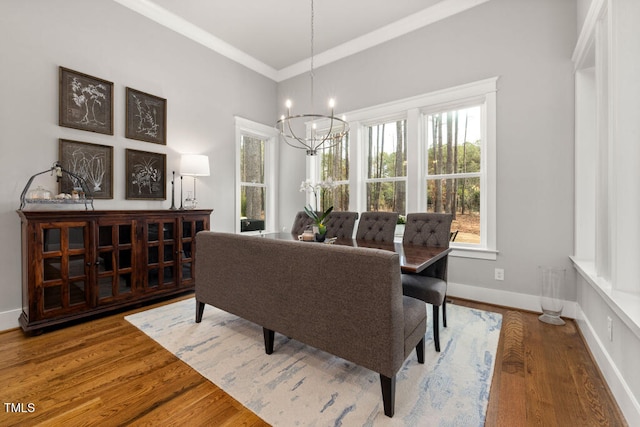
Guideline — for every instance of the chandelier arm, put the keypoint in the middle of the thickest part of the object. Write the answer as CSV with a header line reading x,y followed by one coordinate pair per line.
x,y
292,134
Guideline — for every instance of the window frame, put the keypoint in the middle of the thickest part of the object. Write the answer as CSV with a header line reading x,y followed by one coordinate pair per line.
x,y
245,127
415,110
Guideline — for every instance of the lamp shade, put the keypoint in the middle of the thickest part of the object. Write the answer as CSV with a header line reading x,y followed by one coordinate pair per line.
x,y
194,165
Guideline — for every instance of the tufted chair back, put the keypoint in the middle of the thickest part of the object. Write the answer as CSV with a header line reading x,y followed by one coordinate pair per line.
x,y
428,229
341,224
301,222
377,226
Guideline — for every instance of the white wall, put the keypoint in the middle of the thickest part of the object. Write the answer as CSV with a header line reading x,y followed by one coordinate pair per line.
x,y
607,152
101,38
529,45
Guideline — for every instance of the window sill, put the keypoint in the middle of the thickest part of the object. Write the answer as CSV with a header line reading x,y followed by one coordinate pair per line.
x,y
476,253
624,304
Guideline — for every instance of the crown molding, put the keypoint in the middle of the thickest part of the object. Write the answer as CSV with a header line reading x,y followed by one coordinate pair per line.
x,y
425,17
172,21
435,13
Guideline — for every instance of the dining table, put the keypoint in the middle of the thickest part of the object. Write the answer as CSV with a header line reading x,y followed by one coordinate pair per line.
x,y
413,258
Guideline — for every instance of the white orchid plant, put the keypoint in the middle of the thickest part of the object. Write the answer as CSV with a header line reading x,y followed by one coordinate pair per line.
x,y
309,186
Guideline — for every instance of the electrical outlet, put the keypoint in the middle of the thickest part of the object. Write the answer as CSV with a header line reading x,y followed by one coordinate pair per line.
x,y
610,328
499,273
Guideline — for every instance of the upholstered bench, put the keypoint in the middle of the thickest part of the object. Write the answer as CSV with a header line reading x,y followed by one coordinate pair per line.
x,y
344,300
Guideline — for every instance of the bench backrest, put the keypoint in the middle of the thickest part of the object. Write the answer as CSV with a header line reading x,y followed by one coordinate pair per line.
x,y
344,300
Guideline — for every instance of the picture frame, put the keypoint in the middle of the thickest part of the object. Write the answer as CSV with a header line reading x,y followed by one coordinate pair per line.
x,y
146,117
85,102
92,162
146,177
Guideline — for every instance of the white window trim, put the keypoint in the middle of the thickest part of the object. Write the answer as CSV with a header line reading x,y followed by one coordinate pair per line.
x,y
481,92
270,135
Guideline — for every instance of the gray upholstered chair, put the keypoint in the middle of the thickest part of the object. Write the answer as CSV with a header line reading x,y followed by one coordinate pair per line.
x,y
430,286
301,222
341,224
377,226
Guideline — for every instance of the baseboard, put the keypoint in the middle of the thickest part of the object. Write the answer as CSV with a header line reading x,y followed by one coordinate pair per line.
x,y
619,388
9,319
505,298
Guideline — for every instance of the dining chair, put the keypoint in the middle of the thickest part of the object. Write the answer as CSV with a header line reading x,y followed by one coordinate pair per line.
x,y
301,222
341,224
377,226
430,285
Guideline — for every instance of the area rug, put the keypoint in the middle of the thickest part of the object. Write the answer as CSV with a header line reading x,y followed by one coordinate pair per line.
x,y
299,385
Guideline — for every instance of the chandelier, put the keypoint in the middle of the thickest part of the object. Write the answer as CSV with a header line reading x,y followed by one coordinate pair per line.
x,y
315,139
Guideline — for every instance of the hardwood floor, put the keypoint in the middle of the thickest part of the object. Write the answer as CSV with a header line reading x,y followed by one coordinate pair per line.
x,y
107,372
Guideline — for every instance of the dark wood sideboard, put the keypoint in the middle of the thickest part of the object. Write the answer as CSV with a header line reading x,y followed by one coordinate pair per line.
x,y
77,264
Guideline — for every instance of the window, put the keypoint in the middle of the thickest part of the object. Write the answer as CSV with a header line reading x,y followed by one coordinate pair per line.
x,y
453,177
386,175
252,183
430,153
255,153
334,166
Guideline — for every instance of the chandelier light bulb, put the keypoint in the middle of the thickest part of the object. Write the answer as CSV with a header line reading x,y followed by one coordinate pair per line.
x,y
288,103
332,103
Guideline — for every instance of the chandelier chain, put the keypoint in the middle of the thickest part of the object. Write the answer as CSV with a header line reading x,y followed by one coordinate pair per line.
x,y
316,139
312,52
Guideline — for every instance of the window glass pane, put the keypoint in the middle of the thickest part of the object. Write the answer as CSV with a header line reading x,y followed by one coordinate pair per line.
x,y
387,150
460,197
338,197
387,196
454,140
251,160
334,169
252,189
252,202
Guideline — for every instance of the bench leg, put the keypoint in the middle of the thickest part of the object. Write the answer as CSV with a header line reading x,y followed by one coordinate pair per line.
x,y
436,328
388,394
269,336
420,351
199,311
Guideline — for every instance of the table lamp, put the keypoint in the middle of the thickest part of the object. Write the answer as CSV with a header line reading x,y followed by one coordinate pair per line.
x,y
194,165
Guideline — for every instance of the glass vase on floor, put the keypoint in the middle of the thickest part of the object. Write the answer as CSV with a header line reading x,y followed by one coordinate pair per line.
x,y
551,282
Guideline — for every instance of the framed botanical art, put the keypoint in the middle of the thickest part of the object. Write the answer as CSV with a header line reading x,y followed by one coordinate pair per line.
x,y
146,175
146,117
91,162
86,102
